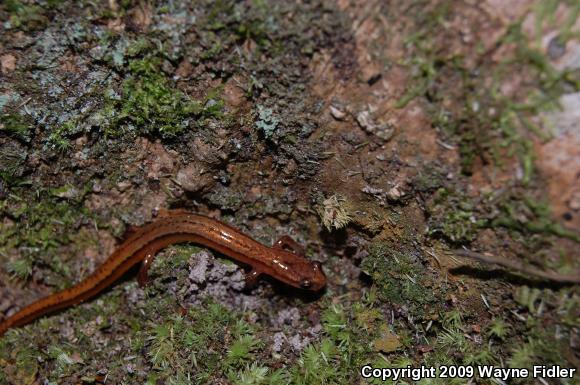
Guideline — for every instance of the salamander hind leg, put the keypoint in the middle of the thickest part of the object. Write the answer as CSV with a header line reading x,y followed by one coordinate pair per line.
x,y
287,241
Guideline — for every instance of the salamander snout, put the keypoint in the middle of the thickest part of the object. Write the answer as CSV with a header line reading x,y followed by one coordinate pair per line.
x,y
316,280
297,271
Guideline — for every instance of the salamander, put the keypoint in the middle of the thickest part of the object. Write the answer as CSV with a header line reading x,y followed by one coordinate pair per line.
x,y
178,226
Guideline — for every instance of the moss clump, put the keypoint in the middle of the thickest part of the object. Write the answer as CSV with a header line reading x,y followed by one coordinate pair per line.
x,y
149,104
525,214
193,346
38,224
458,219
152,105
12,161
488,124
400,278
454,346
345,346
20,365
24,16
540,348
15,125
208,344
452,216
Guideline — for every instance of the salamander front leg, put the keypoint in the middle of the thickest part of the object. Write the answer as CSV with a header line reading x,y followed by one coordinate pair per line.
x,y
252,278
287,241
142,277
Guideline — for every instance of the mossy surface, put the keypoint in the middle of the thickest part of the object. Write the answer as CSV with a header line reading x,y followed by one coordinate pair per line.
x,y
453,216
401,278
486,125
36,227
250,111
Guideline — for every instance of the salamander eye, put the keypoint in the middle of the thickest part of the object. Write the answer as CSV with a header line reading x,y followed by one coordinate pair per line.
x,y
305,284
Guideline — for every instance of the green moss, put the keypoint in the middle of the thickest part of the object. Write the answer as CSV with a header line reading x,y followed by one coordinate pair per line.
x,y
64,360
452,216
41,224
527,298
248,22
193,346
176,265
319,364
486,125
59,137
20,268
12,161
254,374
522,345
15,125
540,348
150,104
498,328
457,218
454,346
210,344
400,278
23,15
23,361
425,72
241,350
525,214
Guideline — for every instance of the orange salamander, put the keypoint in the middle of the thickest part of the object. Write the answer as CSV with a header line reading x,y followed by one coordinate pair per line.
x,y
177,226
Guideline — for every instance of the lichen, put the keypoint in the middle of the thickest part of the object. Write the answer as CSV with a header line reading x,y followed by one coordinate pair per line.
x,y
267,121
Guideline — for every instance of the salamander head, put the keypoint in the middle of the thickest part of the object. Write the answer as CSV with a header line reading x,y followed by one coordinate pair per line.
x,y
299,272
315,280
